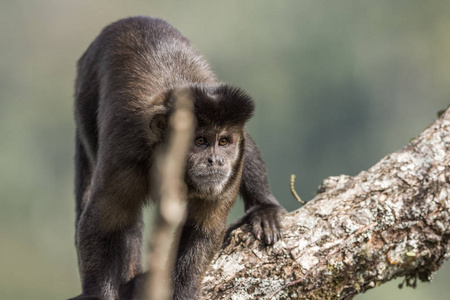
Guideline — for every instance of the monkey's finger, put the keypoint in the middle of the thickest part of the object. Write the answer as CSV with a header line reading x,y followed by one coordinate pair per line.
x,y
275,232
267,232
275,237
256,228
278,228
249,239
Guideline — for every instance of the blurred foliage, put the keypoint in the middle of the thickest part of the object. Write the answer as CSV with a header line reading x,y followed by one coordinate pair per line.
x,y
338,85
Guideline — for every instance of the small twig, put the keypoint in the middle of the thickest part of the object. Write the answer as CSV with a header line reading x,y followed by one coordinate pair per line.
x,y
403,180
296,196
325,259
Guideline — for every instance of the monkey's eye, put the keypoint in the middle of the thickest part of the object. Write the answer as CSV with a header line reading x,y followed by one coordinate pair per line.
x,y
200,141
223,142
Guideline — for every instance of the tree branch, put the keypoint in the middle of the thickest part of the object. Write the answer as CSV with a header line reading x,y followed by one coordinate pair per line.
x,y
171,197
358,232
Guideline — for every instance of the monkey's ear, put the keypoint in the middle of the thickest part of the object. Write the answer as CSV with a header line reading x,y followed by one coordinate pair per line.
x,y
159,110
158,122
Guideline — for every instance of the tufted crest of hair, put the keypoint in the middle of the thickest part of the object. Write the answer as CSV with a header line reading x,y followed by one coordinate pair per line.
x,y
221,105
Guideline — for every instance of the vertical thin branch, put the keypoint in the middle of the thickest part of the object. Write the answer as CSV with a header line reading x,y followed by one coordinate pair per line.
x,y
168,182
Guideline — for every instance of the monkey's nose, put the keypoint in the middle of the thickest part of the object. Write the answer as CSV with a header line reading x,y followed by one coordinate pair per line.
x,y
212,160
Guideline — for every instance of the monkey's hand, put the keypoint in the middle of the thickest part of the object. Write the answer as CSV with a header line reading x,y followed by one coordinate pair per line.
x,y
265,222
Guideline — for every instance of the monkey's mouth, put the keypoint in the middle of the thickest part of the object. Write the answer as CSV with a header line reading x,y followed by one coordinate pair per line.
x,y
206,177
212,175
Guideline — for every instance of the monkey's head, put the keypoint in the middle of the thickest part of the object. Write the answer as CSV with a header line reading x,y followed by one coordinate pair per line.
x,y
214,161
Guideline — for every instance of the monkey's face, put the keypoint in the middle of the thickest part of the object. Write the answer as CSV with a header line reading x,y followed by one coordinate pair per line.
x,y
212,159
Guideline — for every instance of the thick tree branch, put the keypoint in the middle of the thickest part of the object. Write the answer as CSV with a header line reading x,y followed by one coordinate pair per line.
x,y
358,232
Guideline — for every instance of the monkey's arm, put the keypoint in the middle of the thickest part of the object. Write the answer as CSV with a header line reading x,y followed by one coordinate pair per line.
x,y
262,209
196,250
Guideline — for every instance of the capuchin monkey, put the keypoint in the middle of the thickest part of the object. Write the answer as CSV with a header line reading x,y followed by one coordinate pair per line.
x,y
125,90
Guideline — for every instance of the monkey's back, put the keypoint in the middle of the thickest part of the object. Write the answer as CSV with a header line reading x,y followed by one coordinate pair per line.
x,y
147,51
159,53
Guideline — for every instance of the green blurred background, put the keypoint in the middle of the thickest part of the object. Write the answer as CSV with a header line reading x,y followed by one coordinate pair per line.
x,y
338,85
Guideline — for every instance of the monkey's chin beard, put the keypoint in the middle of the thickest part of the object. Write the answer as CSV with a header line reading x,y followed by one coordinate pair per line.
x,y
209,182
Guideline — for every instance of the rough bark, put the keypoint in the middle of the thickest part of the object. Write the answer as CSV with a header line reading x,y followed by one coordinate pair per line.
x,y
358,232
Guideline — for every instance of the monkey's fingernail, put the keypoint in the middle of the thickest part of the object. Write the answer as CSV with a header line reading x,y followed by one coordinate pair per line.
x,y
268,239
275,238
258,235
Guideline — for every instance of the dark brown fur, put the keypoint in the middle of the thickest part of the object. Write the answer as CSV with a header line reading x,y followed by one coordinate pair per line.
x,y
125,83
